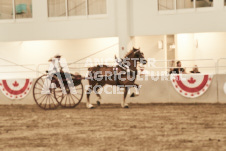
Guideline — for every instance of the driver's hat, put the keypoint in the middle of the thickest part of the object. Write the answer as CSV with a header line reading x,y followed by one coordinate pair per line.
x,y
57,55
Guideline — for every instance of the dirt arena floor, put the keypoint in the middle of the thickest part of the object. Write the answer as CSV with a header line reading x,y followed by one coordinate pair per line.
x,y
144,127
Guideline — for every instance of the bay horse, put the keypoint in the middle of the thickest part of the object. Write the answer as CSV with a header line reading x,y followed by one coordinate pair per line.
x,y
123,75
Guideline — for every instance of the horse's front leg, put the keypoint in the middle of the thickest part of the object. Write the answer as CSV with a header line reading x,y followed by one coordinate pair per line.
x,y
88,104
124,104
137,88
97,93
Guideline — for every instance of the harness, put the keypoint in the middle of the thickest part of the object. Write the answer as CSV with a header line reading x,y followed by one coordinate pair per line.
x,y
125,68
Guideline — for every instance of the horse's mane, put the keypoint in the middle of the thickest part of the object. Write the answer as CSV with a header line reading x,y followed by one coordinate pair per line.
x,y
128,53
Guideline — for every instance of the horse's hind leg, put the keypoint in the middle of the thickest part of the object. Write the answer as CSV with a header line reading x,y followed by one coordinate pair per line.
x,y
98,95
137,88
88,104
124,104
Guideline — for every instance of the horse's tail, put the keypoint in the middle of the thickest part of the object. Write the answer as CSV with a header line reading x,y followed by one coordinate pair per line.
x,y
90,68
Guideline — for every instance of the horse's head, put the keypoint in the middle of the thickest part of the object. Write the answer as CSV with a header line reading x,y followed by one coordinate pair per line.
x,y
140,55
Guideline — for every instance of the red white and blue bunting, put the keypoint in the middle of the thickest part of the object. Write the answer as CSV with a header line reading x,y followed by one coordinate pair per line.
x,y
191,85
15,89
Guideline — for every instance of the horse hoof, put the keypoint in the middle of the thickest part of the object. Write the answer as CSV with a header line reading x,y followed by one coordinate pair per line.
x,y
90,106
98,103
126,107
132,95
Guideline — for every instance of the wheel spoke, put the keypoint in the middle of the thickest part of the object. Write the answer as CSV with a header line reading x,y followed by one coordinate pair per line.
x,y
66,101
75,97
39,89
57,97
52,100
40,97
40,84
45,104
72,100
44,101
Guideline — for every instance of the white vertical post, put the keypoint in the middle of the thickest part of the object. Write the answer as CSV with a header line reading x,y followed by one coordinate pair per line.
x,y
218,4
123,26
66,7
87,11
14,10
165,50
194,4
175,5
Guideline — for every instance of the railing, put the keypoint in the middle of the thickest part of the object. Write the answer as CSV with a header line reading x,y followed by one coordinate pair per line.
x,y
17,71
156,67
221,66
10,69
205,66
76,66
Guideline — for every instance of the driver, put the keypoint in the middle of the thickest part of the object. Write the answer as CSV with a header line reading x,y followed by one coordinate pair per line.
x,y
56,63
56,69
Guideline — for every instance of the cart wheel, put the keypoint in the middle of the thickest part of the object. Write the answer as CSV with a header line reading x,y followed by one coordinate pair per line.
x,y
68,99
43,95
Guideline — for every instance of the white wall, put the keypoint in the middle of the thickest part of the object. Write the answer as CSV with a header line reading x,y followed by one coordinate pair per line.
x,y
209,46
149,46
142,19
40,27
38,52
146,20
160,91
185,49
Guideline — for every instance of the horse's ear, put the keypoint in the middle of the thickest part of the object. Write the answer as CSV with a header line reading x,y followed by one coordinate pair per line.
x,y
134,49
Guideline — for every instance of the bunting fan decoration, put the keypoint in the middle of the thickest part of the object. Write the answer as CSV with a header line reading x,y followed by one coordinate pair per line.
x,y
191,85
15,89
